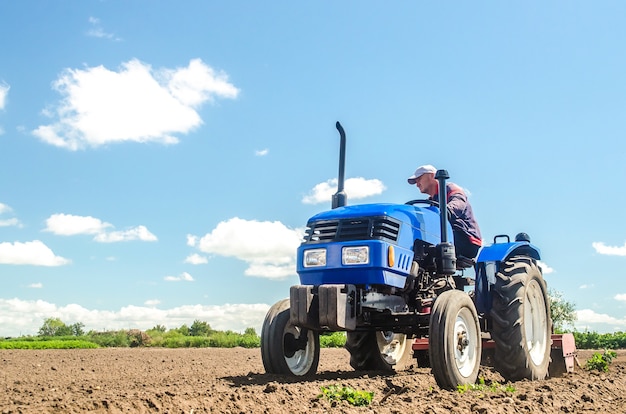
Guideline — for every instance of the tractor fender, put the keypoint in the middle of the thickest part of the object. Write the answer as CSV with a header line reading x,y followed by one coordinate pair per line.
x,y
488,264
499,252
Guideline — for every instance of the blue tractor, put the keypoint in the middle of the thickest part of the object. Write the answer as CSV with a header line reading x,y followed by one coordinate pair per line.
x,y
388,275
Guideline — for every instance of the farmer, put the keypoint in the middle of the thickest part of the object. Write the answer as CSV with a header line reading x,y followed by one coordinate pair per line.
x,y
467,239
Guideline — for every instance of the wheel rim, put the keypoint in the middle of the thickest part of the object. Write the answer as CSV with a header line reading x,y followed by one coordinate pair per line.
x,y
535,322
298,360
465,337
391,346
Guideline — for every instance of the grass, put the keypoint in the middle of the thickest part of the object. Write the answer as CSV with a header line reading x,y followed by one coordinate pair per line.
x,y
48,344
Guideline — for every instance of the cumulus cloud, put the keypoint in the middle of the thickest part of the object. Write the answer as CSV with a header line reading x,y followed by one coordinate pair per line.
x,y
6,222
136,233
35,285
269,248
96,30
186,277
545,269
71,225
136,103
356,188
152,302
4,92
621,296
21,317
602,248
196,259
261,153
34,253
590,320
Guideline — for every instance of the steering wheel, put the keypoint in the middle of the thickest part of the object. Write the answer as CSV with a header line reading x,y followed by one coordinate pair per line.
x,y
423,201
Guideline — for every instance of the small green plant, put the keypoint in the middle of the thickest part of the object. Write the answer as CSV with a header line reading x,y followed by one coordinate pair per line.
x,y
336,393
494,387
600,362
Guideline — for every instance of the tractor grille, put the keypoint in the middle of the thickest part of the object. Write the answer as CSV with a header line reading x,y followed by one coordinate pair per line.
x,y
381,228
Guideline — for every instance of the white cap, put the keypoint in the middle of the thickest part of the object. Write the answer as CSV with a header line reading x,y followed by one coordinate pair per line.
x,y
421,170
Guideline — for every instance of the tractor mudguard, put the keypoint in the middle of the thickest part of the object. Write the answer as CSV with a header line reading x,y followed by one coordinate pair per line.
x,y
488,264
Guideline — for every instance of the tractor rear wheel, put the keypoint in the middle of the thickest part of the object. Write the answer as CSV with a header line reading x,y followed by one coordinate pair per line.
x,y
287,349
455,344
379,351
521,321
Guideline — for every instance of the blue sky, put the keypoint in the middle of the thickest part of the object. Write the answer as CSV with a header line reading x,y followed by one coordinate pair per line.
x,y
160,159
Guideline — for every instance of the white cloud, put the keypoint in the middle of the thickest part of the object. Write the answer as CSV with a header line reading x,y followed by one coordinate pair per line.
x,y
34,253
585,286
589,320
602,248
545,269
621,296
356,188
96,30
136,233
4,92
70,225
9,222
261,153
196,259
269,248
186,277
5,209
152,302
35,285
20,317
137,103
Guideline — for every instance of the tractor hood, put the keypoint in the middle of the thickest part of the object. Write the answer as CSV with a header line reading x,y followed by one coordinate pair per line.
x,y
409,222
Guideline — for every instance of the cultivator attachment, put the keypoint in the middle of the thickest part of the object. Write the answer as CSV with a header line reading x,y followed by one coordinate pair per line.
x,y
562,353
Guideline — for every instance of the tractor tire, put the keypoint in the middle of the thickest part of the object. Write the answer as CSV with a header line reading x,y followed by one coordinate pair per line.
x,y
521,321
455,344
379,351
287,349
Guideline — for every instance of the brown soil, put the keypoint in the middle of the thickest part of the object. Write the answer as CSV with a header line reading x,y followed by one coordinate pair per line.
x,y
233,381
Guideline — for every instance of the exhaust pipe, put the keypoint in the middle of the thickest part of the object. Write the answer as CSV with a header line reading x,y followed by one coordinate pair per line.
x,y
340,198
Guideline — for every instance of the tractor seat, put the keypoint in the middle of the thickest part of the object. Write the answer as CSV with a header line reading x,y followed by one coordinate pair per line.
x,y
463,262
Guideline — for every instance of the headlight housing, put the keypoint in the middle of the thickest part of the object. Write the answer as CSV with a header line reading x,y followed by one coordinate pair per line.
x,y
314,258
355,255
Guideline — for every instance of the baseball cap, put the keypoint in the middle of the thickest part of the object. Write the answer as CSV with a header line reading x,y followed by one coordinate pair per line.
x,y
421,170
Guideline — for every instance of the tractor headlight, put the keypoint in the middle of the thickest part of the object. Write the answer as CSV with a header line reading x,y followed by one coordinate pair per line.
x,y
315,258
355,255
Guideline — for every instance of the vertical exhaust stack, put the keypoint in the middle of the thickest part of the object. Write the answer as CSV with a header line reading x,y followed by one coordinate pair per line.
x,y
340,198
446,255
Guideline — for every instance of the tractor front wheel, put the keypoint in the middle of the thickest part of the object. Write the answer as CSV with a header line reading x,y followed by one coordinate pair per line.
x,y
521,321
379,351
287,349
455,343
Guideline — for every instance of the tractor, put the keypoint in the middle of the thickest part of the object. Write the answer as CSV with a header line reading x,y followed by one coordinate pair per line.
x,y
388,276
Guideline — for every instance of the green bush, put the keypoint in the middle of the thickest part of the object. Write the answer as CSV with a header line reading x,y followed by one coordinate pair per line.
x,y
333,340
600,362
594,340
335,393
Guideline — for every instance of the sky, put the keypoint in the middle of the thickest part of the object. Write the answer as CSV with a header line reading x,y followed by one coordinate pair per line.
x,y
160,159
